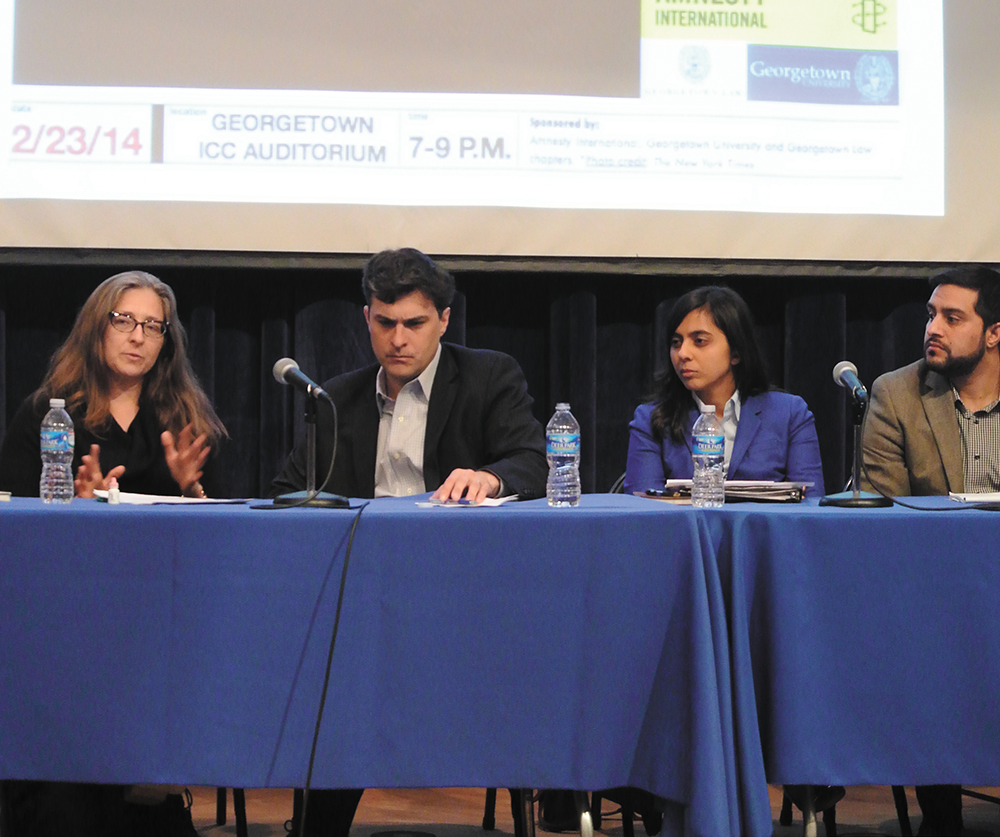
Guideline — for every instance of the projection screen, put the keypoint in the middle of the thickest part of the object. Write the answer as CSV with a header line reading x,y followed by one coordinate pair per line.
x,y
707,129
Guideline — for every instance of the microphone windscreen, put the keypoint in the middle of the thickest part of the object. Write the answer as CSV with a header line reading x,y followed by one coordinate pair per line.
x,y
840,369
281,367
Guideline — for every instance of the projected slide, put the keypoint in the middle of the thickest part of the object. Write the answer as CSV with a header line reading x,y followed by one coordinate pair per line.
x,y
779,106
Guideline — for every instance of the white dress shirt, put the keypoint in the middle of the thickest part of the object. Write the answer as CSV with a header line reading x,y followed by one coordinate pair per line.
x,y
730,421
402,427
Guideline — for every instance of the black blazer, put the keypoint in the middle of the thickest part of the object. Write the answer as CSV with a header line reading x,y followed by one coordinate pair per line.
x,y
479,417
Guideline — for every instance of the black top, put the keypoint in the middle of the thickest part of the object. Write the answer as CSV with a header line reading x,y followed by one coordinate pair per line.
x,y
139,449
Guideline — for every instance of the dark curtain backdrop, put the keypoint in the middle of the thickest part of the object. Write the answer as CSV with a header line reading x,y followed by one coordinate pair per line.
x,y
588,334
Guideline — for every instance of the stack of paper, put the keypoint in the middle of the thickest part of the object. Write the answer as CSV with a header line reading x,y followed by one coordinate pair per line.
x,y
759,491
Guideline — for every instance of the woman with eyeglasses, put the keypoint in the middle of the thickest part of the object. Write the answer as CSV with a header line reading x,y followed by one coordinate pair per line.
x,y
139,414
140,417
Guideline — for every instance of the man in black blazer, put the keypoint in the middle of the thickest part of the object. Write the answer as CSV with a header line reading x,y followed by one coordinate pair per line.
x,y
428,417
479,416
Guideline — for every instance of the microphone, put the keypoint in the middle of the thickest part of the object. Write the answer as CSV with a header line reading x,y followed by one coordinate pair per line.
x,y
845,374
286,371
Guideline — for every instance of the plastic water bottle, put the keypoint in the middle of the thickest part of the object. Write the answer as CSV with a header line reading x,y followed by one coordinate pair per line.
x,y
708,454
562,449
57,442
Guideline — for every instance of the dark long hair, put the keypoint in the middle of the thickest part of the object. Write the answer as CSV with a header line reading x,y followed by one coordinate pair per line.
x,y
78,370
732,316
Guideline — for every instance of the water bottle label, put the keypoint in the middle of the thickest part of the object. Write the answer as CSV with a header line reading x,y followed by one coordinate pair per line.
x,y
562,444
58,441
708,445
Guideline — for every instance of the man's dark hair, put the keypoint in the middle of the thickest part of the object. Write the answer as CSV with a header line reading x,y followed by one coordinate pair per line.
x,y
983,280
732,316
393,274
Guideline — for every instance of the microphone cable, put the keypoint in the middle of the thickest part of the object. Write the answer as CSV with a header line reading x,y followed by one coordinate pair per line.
x,y
329,471
312,495
329,664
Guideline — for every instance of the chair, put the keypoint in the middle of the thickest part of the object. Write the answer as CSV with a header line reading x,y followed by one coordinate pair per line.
x,y
4,826
522,809
629,801
902,812
239,809
898,796
829,816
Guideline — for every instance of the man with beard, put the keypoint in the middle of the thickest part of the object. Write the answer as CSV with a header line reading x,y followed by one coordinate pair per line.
x,y
934,427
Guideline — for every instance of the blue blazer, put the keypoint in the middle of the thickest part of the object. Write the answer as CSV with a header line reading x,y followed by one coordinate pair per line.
x,y
775,440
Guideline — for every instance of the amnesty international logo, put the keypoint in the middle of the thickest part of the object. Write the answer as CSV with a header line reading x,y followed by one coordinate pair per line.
x,y
861,25
870,16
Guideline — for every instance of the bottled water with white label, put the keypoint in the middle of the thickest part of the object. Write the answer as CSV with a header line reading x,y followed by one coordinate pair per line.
x,y
562,449
57,441
708,454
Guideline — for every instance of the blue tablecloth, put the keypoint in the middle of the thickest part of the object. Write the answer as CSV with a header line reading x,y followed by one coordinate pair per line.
x,y
695,654
518,646
871,639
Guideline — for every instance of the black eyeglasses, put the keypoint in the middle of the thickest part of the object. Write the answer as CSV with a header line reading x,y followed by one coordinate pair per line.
x,y
126,323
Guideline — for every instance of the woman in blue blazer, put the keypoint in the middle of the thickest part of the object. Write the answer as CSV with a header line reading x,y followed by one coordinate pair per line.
x,y
714,359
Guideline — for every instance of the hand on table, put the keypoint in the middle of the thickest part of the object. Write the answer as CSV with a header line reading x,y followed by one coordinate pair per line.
x,y
474,486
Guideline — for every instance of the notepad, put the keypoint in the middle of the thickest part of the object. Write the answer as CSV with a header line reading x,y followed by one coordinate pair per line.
x,y
984,497
127,498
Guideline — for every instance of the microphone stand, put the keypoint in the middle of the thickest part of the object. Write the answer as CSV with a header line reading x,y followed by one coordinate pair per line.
x,y
856,499
322,500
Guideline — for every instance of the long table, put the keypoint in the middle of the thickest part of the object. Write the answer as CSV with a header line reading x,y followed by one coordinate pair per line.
x,y
871,638
695,654
520,646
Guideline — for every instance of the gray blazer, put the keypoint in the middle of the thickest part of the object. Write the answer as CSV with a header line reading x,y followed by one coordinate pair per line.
x,y
912,444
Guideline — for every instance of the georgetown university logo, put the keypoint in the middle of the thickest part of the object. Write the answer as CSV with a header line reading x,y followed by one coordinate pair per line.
x,y
822,76
874,77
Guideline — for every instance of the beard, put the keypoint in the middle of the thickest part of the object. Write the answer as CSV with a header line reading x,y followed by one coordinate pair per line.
x,y
957,366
